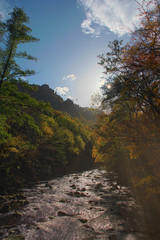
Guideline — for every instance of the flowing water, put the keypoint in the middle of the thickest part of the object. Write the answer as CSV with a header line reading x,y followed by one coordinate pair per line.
x,y
84,206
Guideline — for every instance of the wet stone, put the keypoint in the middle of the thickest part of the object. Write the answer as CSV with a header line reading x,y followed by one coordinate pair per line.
x,y
89,227
93,202
83,220
14,231
73,186
76,178
77,194
36,208
41,220
31,226
62,214
63,200
98,186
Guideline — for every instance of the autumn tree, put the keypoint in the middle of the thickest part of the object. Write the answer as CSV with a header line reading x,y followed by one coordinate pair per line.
x,y
133,71
128,138
14,32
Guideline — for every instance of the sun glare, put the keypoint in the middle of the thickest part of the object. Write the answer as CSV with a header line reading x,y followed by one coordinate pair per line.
x,y
109,86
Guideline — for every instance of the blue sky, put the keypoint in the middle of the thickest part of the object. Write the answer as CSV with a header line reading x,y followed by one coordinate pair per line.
x,y
72,34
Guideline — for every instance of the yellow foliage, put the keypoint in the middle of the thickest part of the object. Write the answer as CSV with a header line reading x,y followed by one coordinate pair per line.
x,y
132,148
147,185
99,158
145,181
94,152
14,149
47,130
48,125
17,145
76,150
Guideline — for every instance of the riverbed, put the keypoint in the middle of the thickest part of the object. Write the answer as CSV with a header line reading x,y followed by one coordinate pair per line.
x,y
81,206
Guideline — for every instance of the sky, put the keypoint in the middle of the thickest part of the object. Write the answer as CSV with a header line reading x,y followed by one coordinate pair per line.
x,y
72,34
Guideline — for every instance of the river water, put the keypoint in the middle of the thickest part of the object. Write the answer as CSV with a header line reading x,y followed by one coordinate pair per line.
x,y
84,206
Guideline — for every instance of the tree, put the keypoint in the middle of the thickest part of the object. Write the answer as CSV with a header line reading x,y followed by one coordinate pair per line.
x,y
142,60
133,71
2,27
16,32
128,137
112,63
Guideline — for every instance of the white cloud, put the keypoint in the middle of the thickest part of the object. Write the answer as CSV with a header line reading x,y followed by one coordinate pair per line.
x,y
62,90
70,97
70,77
4,9
119,16
86,26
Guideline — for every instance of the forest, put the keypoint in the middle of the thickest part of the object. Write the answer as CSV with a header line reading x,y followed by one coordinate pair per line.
x,y
38,142
128,133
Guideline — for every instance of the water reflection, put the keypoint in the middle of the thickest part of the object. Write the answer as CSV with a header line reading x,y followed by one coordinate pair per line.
x,y
88,205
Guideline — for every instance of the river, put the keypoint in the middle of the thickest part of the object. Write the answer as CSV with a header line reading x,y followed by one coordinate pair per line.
x,y
85,206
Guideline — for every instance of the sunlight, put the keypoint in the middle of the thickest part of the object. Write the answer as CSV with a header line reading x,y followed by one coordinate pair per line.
x,y
109,86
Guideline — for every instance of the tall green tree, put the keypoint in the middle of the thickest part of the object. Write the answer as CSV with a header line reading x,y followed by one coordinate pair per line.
x,y
15,31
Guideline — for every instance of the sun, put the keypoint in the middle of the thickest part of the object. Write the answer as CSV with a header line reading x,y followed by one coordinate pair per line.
x,y
109,86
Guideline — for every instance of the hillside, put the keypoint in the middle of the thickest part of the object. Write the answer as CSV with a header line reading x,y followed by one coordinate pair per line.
x,y
48,95
38,142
